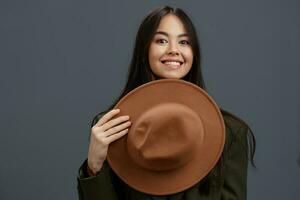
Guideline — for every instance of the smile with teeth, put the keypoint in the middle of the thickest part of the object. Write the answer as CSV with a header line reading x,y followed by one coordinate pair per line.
x,y
172,64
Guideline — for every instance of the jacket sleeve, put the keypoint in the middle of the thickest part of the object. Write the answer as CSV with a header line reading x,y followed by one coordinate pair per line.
x,y
95,187
236,164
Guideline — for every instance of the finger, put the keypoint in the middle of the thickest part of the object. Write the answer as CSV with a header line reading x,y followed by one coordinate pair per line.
x,y
110,124
107,117
117,129
116,136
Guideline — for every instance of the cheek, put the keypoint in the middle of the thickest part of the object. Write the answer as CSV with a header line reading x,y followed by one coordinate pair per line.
x,y
152,57
156,51
151,52
154,54
188,55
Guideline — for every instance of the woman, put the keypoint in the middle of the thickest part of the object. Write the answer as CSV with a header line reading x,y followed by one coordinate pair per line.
x,y
166,46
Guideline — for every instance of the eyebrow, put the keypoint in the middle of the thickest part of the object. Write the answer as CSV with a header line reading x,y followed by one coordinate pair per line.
x,y
166,34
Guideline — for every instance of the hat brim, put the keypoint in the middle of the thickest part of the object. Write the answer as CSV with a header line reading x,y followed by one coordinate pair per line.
x,y
208,153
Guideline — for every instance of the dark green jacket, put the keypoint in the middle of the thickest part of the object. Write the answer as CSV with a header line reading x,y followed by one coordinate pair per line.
x,y
233,185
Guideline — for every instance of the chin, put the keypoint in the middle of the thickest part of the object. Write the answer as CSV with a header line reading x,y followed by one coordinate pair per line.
x,y
169,77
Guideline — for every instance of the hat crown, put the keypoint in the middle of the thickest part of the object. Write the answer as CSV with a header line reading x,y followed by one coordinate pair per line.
x,y
165,137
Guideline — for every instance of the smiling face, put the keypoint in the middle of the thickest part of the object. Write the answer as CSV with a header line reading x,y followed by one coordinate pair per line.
x,y
170,52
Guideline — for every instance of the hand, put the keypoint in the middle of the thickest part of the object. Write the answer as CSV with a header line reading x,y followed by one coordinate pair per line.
x,y
103,133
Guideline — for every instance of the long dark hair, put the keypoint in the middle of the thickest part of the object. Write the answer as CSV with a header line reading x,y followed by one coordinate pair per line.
x,y
139,68
140,72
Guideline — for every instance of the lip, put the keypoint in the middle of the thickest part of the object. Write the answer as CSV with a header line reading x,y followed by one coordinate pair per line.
x,y
171,60
170,66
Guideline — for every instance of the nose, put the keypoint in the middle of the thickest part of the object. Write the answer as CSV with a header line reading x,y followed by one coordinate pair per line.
x,y
173,50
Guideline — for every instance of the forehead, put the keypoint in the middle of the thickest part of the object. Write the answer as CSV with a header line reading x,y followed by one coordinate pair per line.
x,y
171,24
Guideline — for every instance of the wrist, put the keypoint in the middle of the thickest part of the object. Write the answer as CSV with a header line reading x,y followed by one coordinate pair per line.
x,y
91,172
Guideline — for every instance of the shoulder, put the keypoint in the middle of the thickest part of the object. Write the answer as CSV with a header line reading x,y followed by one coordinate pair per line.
x,y
236,129
233,122
236,134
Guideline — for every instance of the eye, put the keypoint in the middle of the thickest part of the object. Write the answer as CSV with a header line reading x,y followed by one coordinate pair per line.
x,y
161,41
185,42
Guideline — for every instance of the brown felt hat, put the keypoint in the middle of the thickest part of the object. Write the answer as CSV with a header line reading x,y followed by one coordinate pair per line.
x,y
176,137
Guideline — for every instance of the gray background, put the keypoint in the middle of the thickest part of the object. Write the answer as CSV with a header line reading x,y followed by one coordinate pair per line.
x,y
63,61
